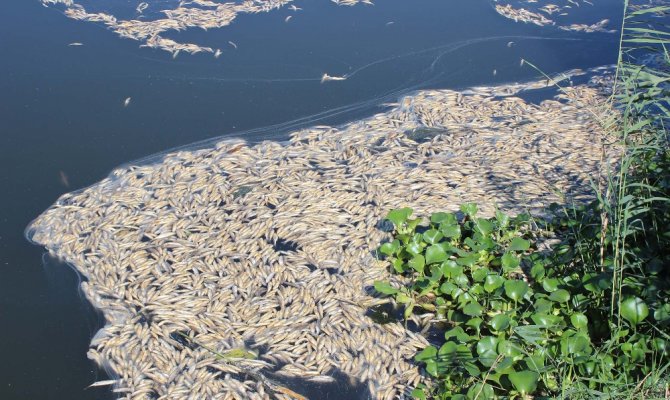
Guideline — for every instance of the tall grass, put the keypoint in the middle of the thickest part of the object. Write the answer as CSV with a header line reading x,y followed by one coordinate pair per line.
x,y
634,207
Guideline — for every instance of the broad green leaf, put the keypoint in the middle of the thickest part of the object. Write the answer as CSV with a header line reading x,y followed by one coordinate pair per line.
x,y
418,394
389,248
414,248
545,320
432,236
561,296
440,217
516,289
435,254
500,322
579,320
493,282
473,309
480,274
469,209
510,349
458,333
385,288
484,226
399,216
518,244
450,268
662,313
450,230
524,382
550,284
537,271
402,298
480,391
486,349
510,261
417,263
503,219
431,367
530,333
426,354
634,310
469,260
474,323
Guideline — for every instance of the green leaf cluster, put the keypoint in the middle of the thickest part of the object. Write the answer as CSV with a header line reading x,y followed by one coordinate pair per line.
x,y
514,319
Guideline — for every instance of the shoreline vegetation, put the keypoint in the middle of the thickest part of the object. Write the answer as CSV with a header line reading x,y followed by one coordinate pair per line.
x,y
266,249
587,316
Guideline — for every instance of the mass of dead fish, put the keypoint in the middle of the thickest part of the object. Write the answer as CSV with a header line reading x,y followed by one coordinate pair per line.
x,y
205,14
541,13
270,247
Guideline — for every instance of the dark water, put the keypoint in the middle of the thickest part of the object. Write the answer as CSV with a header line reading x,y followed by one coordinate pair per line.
x,y
63,125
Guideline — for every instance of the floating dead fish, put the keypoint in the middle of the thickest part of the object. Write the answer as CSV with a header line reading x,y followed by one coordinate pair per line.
x,y
63,179
141,7
288,18
126,102
232,44
326,78
102,383
76,44
217,53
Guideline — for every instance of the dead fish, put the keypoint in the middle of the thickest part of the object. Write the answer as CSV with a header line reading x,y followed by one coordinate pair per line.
x,y
76,44
390,23
510,44
141,7
292,7
327,77
288,18
126,102
63,179
495,72
102,383
232,44
217,53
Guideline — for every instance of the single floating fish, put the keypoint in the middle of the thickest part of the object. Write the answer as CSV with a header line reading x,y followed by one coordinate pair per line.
x,y
292,7
102,383
126,102
217,53
288,18
141,7
232,44
63,179
327,77
76,44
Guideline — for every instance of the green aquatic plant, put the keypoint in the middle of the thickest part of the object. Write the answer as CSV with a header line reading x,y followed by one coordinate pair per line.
x,y
519,322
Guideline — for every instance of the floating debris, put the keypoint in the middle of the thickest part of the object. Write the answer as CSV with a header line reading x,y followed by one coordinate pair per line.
x,y
175,250
326,78
205,14
64,179
542,13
